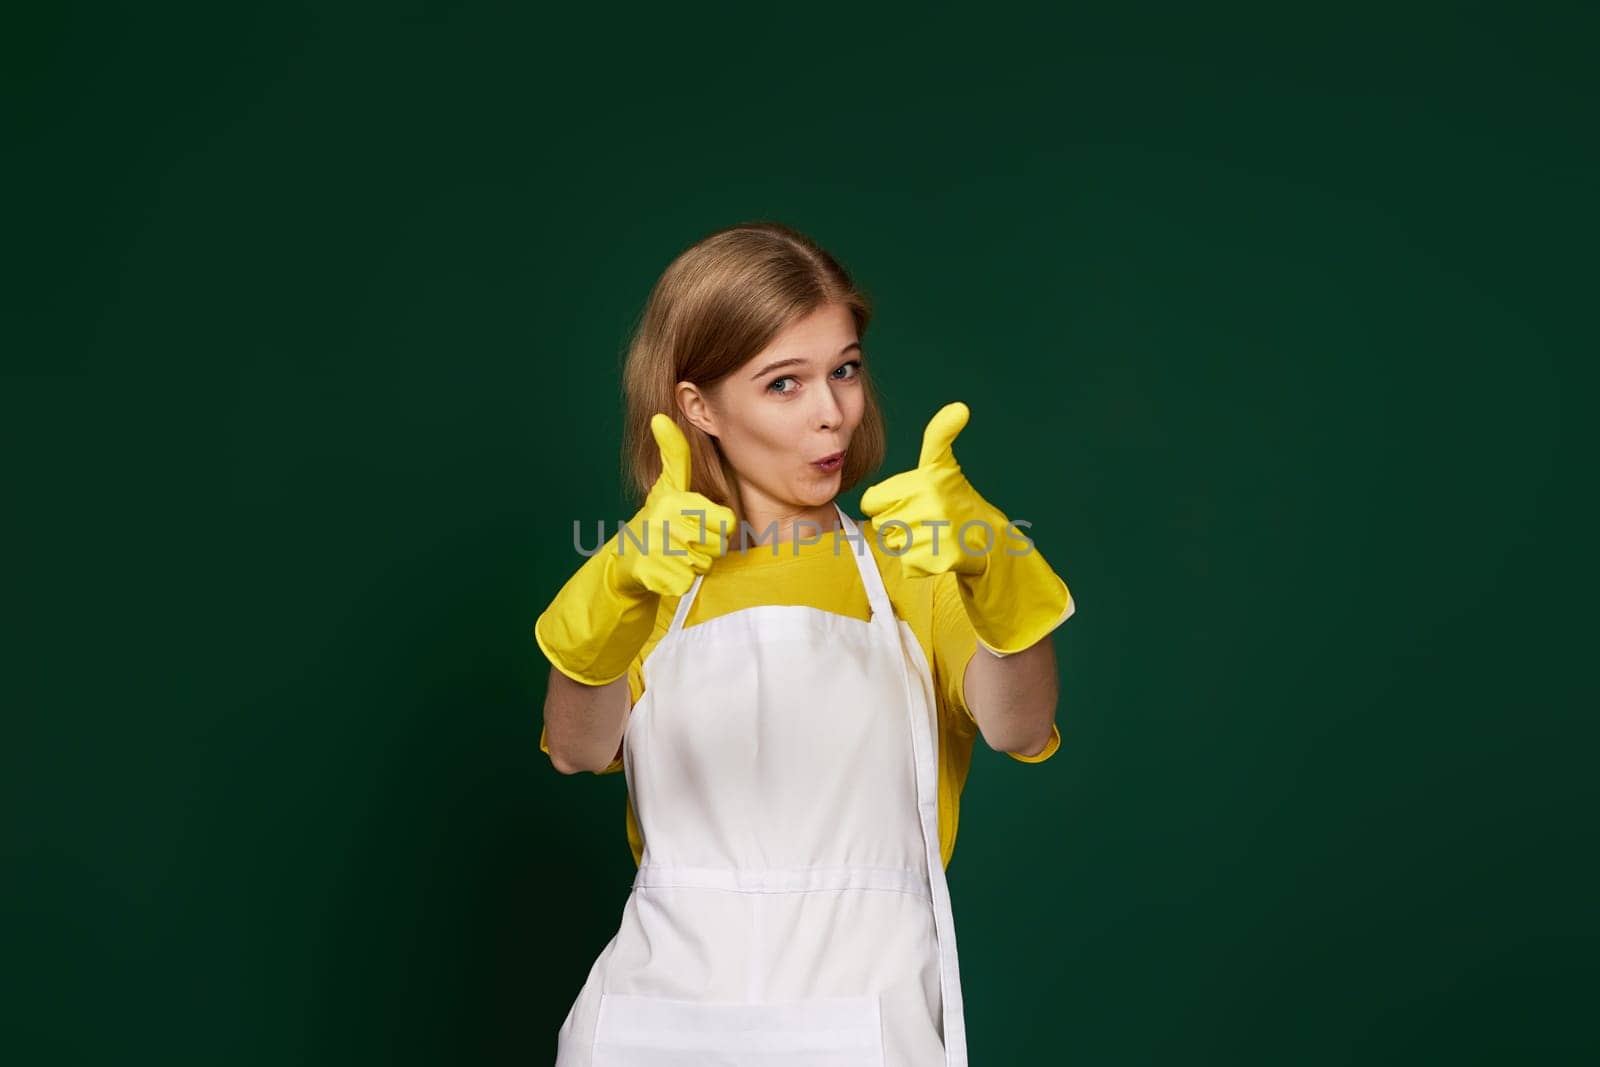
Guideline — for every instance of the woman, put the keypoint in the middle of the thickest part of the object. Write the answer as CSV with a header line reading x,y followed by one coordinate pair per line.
x,y
792,696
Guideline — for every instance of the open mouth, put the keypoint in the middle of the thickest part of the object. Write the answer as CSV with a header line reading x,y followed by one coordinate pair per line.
x,y
829,464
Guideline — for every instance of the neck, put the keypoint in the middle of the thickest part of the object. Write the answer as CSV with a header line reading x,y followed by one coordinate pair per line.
x,y
771,522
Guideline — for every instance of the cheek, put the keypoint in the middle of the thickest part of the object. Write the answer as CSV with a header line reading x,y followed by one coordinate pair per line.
x,y
775,428
763,433
855,406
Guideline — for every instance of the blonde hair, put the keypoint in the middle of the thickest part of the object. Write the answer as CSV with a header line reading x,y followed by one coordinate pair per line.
x,y
721,301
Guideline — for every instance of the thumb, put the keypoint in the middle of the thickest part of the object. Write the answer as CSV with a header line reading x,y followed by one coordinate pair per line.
x,y
941,433
674,451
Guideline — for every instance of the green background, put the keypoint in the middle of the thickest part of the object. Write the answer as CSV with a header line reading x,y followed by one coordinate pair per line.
x,y
1271,322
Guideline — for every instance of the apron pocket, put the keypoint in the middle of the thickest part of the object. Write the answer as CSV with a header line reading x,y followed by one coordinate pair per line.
x,y
638,1031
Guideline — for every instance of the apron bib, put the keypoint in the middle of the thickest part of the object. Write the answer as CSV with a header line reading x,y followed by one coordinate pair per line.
x,y
790,905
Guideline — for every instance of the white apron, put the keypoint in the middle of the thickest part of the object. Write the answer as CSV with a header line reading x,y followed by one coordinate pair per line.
x,y
790,905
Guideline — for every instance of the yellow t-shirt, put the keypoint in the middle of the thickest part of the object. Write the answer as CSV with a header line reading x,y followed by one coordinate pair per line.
x,y
813,574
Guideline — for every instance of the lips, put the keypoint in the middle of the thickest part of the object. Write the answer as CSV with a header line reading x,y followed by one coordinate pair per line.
x,y
829,463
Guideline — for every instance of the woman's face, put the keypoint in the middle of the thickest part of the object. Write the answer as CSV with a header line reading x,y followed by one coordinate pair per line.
x,y
796,402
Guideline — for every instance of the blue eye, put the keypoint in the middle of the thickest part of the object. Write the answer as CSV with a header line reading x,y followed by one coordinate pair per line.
x,y
854,365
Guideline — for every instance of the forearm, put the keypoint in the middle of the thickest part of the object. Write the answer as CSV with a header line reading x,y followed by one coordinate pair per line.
x,y
584,723
1013,698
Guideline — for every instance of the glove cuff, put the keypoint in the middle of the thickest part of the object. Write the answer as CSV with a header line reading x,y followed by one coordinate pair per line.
x,y
591,631
1015,602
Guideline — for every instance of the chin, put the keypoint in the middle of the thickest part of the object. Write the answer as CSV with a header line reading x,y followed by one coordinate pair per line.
x,y
815,496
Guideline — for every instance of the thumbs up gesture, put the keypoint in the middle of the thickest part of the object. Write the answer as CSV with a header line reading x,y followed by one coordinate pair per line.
x,y
605,612
932,495
677,533
1012,596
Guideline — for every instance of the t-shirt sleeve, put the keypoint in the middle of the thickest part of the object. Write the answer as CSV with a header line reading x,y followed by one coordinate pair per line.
x,y
954,642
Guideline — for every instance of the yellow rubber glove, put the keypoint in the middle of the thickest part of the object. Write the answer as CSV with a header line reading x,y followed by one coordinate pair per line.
x,y
1012,596
605,613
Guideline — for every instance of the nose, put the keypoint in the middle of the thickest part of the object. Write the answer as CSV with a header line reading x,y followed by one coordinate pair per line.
x,y
828,416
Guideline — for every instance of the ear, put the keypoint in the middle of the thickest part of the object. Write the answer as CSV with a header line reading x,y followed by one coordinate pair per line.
x,y
696,407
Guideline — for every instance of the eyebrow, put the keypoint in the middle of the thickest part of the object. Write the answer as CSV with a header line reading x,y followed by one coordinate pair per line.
x,y
791,361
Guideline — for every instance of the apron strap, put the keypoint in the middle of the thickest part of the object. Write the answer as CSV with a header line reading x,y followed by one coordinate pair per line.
x,y
877,595
684,603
